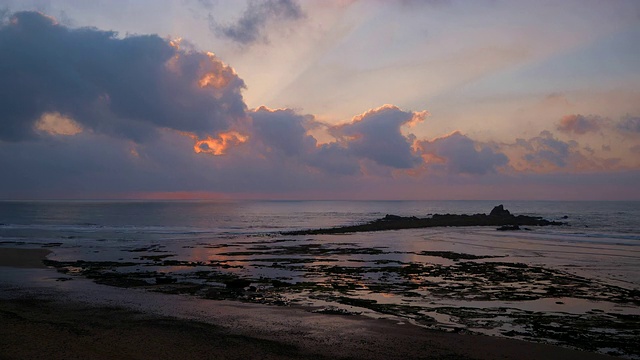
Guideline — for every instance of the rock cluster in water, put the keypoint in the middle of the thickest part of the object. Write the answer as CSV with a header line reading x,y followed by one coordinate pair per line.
x,y
499,216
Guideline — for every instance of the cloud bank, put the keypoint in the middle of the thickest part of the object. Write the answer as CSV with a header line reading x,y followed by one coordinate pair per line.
x,y
127,87
90,113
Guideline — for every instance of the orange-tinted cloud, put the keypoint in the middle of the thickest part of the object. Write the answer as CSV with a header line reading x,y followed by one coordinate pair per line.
x,y
214,73
55,123
219,145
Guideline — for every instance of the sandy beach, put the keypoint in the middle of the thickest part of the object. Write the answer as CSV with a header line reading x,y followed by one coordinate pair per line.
x,y
48,324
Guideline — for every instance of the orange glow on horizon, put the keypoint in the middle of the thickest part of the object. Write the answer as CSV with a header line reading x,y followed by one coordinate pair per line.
x,y
179,195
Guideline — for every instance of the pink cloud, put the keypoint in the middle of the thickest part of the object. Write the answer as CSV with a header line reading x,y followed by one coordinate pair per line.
x,y
579,124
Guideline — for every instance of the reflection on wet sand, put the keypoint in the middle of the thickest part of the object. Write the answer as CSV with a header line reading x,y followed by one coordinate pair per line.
x,y
504,290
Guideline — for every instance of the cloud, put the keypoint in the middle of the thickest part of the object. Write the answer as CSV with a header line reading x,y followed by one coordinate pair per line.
x,y
376,135
250,27
207,4
283,131
90,113
458,154
629,124
4,14
545,149
579,124
125,87
545,153
281,135
57,124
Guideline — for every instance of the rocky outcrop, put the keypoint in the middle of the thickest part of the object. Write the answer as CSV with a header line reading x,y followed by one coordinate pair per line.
x,y
498,216
500,211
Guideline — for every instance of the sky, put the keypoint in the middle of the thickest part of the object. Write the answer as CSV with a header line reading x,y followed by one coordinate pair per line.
x,y
320,99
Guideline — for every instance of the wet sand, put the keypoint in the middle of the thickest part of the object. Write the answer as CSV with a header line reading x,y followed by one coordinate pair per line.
x,y
42,325
23,258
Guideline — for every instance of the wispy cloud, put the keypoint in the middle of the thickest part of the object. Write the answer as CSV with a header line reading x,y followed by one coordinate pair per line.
x,y
251,26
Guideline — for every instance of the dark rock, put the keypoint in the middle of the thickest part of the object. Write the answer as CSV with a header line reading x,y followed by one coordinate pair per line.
x,y
389,217
500,211
237,283
565,217
160,280
508,228
499,216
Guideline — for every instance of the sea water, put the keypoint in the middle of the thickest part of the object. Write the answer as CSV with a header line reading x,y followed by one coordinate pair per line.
x,y
600,238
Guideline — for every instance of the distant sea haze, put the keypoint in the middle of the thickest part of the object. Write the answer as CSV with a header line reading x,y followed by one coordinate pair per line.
x,y
611,217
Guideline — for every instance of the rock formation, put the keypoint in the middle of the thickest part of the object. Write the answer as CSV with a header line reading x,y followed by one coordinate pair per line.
x,y
498,216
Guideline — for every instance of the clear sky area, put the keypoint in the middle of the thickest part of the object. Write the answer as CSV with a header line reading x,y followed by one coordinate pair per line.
x,y
320,99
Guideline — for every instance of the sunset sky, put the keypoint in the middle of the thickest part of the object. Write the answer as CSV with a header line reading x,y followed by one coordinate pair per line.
x,y
320,99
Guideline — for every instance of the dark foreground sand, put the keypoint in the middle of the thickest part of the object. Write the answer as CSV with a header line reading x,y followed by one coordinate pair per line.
x,y
39,327
23,258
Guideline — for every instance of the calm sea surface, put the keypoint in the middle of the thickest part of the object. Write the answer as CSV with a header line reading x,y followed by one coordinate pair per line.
x,y
617,219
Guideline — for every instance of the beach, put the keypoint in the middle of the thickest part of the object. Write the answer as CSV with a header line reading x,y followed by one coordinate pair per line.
x,y
46,324
247,272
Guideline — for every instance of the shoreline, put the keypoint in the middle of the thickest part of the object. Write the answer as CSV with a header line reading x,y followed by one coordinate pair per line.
x,y
137,324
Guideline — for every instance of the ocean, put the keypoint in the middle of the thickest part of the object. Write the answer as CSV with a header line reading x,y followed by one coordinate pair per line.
x,y
537,284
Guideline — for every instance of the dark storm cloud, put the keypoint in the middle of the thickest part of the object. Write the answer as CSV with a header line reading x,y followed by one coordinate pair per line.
x,y
125,87
458,154
250,27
